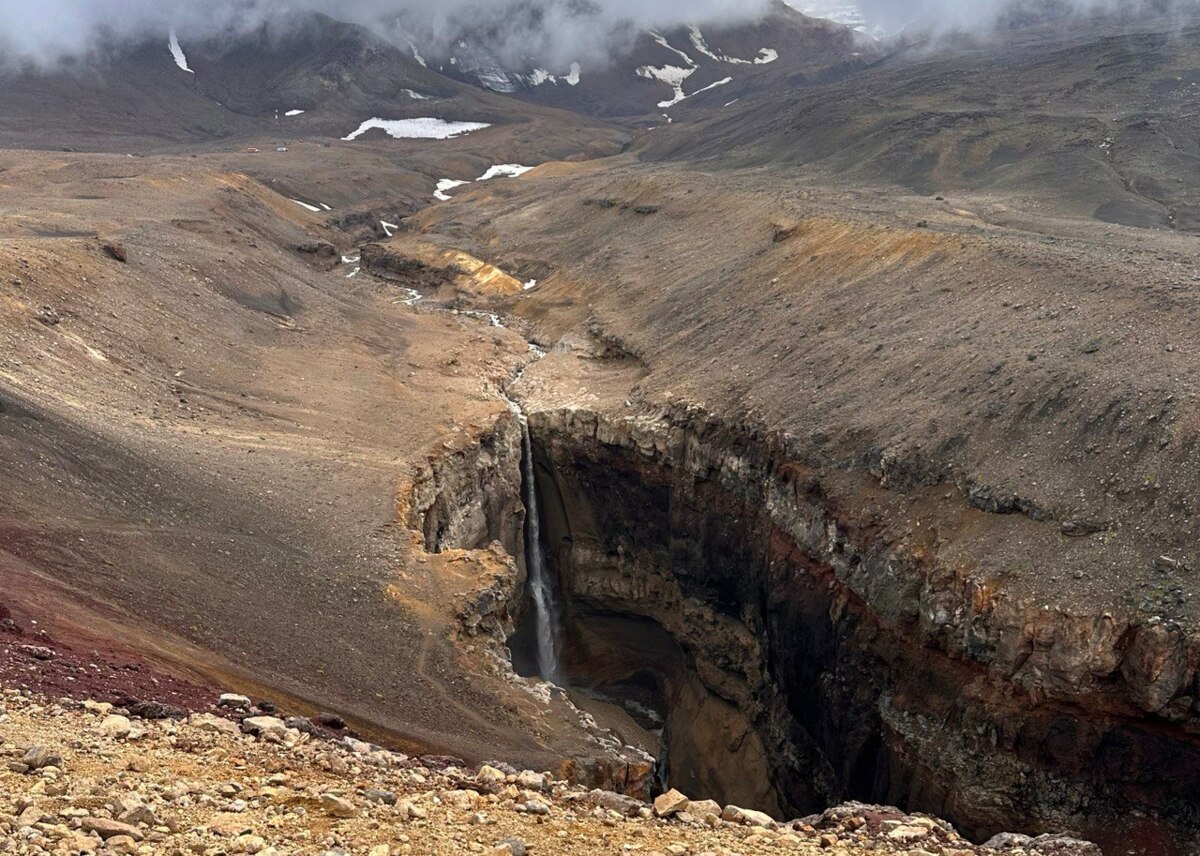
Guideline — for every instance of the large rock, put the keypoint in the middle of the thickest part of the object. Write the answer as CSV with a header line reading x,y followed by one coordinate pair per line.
x,y
107,829
747,816
338,806
116,727
264,726
37,757
212,722
672,802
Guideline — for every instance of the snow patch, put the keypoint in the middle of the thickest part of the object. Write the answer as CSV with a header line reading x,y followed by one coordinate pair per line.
x,y
177,52
712,86
531,285
765,55
293,112
540,75
447,184
353,273
326,207
349,260
389,229
306,205
416,96
507,170
661,39
417,55
700,44
417,129
672,75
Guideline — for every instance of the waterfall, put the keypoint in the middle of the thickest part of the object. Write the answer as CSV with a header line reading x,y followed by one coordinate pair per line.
x,y
544,612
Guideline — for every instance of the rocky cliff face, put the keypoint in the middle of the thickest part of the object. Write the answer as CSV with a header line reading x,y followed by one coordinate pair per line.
x,y
471,495
806,654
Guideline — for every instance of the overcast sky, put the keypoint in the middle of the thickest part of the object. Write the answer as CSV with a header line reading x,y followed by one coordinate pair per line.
x,y
47,30
44,31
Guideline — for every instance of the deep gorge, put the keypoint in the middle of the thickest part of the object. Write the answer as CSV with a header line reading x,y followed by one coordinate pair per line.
x,y
790,646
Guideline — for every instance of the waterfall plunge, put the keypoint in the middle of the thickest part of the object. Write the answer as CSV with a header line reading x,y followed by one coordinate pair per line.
x,y
545,617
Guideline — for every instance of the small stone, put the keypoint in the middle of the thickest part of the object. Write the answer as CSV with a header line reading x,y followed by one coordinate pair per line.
x,y
251,844
37,757
907,833
239,702
107,829
338,806
704,809
670,803
122,845
490,775
116,727
212,722
537,807
515,846
378,795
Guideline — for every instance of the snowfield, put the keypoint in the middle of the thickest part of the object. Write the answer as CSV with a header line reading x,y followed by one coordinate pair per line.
x,y
541,75
177,52
505,170
445,185
417,129
293,112
673,76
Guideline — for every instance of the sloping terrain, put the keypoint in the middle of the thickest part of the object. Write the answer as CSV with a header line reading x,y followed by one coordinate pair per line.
x,y
215,446
1095,119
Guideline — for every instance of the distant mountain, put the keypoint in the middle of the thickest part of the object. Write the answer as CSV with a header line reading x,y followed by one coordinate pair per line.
x,y
672,72
324,79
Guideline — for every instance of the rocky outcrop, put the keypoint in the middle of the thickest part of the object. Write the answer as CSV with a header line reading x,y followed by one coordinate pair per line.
x,y
469,494
814,656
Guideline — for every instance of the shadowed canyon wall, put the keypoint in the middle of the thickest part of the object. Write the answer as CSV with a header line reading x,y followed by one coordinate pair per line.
x,y
803,659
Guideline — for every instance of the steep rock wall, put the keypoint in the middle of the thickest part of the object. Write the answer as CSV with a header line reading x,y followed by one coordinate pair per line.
x,y
845,665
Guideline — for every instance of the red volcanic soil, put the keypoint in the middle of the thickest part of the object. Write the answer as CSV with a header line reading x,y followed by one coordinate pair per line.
x,y
31,659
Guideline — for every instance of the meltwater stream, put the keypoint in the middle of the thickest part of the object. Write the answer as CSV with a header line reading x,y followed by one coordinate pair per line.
x,y
545,619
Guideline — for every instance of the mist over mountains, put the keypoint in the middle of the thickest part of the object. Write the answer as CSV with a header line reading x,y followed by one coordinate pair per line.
x,y
555,30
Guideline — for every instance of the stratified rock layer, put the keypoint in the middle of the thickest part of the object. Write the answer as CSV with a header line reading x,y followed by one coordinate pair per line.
x,y
826,659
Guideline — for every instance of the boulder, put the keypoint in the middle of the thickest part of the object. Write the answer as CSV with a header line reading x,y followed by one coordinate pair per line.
x,y
748,817
116,727
107,829
670,803
263,726
338,806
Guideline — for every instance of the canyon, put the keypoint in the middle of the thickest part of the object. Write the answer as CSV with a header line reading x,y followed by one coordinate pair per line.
x,y
830,439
